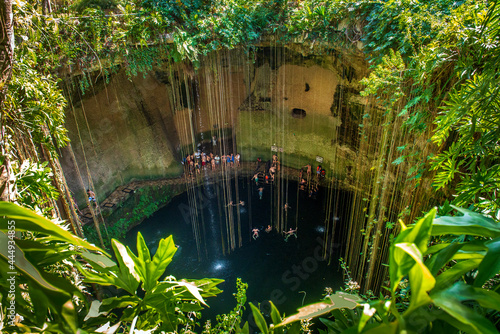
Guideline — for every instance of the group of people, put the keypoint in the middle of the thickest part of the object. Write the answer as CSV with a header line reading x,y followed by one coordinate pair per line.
x,y
194,163
320,172
268,229
266,176
307,183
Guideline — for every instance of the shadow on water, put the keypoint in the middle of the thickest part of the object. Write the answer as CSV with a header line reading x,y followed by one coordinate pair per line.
x,y
274,269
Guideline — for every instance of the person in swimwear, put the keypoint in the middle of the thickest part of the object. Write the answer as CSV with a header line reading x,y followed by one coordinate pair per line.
x,y
290,233
255,233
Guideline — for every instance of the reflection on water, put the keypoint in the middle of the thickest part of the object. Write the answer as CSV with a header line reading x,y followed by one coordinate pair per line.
x,y
220,265
320,229
274,269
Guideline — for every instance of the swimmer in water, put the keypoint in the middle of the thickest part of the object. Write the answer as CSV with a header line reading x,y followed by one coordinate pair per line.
x,y
268,229
255,233
261,192
290,233
286,207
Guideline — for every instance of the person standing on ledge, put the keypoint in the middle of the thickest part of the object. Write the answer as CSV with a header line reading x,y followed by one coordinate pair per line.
x,y
308,171
256,178
91,195
237,159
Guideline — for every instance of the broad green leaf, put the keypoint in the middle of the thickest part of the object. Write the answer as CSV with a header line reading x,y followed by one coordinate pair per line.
x,y
400,262
421,279
490,265
189,307
98,260
450,303
384,328
276,318
27,220
142,249
452,274
23,265
151,270
193,289
259,319
70,316
471,223
113,303
162,258
126,271
244,330
448,322
114,277
438,260
341,322
462,255
470,246
207,288
161,301
44,254
275,314
337,301
464,292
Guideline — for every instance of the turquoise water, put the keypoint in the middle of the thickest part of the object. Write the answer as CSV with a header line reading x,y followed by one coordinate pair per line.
x,y
289,273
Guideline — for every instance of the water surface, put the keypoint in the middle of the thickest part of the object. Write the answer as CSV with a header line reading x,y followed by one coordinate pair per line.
x,y
289,273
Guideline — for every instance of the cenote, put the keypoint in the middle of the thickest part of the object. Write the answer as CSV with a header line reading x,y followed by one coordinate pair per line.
x,y
154,116
290,273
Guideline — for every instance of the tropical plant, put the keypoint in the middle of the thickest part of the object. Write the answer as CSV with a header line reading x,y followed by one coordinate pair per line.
x,y
159,305
442,278
34,297
230,322
41,289
468,125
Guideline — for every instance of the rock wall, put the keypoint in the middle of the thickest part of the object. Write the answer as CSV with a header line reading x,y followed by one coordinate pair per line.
x,y
140,127
122,132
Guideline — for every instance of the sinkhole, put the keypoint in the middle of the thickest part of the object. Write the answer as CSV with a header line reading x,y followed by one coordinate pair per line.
x,y
274,268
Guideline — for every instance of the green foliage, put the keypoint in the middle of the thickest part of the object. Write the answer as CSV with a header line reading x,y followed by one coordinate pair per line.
x,y
34,102
230,322
81,5
434,284
385,80
47,257
143,204
33,182
435,277
163,304
47,301
403,25
321,20
469,117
